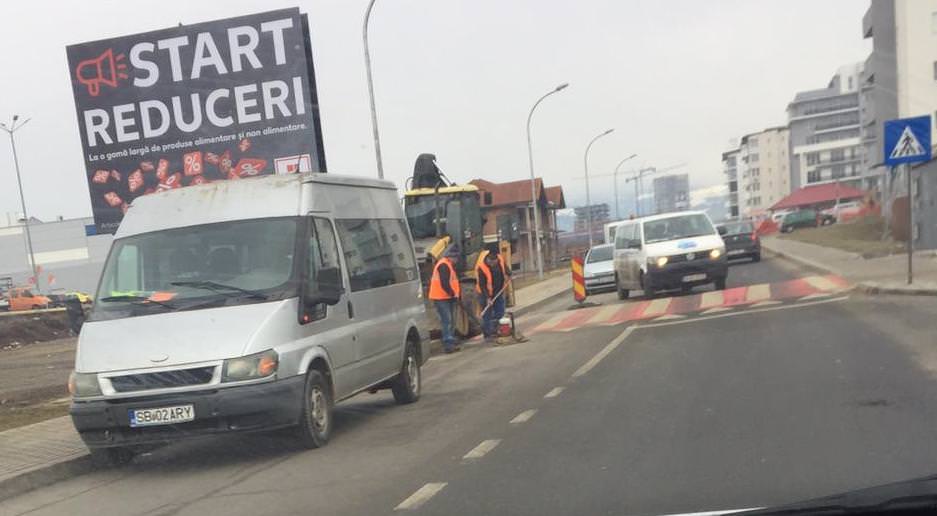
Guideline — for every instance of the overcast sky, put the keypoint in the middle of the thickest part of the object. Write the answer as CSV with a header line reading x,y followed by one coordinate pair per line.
x,y
677,79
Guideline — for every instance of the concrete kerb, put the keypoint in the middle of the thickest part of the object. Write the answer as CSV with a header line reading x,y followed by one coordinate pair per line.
x,y
45,476
872,287
799,260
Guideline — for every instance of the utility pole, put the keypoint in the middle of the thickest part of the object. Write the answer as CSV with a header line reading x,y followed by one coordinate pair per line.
x,y
19,181
585,160
615,181
367,66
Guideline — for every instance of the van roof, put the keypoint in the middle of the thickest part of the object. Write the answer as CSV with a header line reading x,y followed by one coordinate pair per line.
x,y
221,201
660,216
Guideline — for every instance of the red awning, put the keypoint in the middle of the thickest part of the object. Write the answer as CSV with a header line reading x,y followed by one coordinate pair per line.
x,y
818,194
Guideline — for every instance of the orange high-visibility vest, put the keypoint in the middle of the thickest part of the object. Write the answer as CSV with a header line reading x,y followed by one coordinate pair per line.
x,y
435,285
482,268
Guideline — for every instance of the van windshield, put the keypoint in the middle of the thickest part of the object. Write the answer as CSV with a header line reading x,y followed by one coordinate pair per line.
x,y
198,267
677,227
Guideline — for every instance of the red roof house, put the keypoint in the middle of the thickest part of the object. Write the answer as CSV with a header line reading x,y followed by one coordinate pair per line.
x,y
818,196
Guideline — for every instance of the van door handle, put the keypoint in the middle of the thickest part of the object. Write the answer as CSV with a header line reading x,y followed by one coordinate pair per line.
x,y
351,311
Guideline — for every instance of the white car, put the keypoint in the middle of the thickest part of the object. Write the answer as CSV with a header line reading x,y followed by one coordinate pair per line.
x,y
669,251
599,268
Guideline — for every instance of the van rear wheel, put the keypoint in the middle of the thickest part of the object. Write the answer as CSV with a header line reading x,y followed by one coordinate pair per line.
x,y
407,384
315,425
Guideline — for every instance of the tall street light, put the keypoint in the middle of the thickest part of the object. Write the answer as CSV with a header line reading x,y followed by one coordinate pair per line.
x,y
533,188
367,65
16,163
585,161
615,179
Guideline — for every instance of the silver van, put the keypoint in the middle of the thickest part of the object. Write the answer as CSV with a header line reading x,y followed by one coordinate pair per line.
x,y
248,305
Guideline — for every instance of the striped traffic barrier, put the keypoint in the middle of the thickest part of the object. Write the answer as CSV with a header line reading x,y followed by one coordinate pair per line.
x,y
579,282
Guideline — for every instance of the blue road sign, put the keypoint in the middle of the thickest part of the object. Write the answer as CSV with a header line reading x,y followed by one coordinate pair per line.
x,y
907,140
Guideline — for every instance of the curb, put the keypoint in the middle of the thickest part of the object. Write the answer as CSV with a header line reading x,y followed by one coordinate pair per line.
x,y
45,476
527,308
805,262
873,288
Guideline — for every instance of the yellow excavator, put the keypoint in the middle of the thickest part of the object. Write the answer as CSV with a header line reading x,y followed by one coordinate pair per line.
x,y
441,213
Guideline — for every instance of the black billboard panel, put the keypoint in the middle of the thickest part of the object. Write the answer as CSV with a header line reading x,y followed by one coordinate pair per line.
x,y
213,101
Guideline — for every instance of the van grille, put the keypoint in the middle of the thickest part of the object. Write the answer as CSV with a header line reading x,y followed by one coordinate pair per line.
x,y
162,379
697,256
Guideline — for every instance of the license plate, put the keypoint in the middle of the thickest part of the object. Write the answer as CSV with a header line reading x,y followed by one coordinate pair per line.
x,y
694,277
162,415
735,252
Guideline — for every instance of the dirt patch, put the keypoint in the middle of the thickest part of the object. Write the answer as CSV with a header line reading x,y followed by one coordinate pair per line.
x,y
862,236
32,382
18,330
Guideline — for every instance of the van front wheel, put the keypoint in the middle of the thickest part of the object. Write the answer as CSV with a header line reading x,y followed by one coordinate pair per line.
x,y
407,384
315,424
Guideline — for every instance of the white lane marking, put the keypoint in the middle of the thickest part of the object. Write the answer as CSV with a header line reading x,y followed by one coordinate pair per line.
x,y
817,295
759,292
820,283
421,496
482,449
554,392
767,302
714,513
657,307
670,317
585,368
524,416
711,299
716,310
744,312
603,314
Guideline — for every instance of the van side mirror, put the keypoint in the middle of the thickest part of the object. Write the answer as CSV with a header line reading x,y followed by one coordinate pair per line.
x,y
327,287
722,230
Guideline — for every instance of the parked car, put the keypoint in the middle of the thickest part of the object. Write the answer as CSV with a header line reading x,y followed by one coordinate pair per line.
x,y
741,240
23,298
668,251
4,302
840,212
599,268
256,311
799,219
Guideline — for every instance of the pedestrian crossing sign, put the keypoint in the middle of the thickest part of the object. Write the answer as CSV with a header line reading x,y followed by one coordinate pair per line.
x,y
907,140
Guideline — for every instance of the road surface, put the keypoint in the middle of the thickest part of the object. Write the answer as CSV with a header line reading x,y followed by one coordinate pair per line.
x,y
758,396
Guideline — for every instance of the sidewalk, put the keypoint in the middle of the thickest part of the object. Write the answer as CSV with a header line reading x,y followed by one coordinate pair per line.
x,y
885,275
36,455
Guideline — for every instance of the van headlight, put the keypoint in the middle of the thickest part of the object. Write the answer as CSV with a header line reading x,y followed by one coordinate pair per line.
x,y
83,385
660,261
715,253
251,367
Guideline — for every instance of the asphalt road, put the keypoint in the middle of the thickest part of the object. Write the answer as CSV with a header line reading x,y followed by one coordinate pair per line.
x,y
751,407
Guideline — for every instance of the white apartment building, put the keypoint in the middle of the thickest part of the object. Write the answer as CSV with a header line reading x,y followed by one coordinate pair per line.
x,y
763,170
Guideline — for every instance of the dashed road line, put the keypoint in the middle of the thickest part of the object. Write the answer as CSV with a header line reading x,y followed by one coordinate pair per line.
x,y
759,292
767,302
603,314
585,368
817,295
711,299
421,496
745,312
670,317
716,310
657,307
524,416
821,283
554,392
482,449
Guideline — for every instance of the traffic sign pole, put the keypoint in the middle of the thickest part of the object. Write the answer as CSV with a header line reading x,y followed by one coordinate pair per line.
x,y
907,172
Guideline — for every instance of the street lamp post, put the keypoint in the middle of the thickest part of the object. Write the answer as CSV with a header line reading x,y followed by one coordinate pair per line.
x,y
585,160
367,65
615,180
533,188
16,164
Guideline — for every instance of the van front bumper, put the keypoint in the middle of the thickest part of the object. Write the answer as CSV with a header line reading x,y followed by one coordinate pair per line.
x,y
678,275
264,406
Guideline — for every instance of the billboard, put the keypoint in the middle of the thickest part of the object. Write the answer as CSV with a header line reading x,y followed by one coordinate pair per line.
x,y
192,104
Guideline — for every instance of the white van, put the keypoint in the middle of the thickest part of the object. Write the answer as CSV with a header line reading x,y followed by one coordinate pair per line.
x,y
248,305
669,251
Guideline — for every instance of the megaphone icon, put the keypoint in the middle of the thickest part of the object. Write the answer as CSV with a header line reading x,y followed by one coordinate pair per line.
x,y
104,69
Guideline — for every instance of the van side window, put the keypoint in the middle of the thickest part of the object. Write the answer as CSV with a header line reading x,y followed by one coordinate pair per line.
x,y
377,252
621,237
322,253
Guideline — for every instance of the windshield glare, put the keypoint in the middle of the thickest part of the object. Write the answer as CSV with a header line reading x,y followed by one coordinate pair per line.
x,y
677,227
254,255
600,254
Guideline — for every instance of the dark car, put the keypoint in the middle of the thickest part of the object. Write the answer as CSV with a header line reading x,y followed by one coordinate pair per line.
x,y
799,219
741,240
